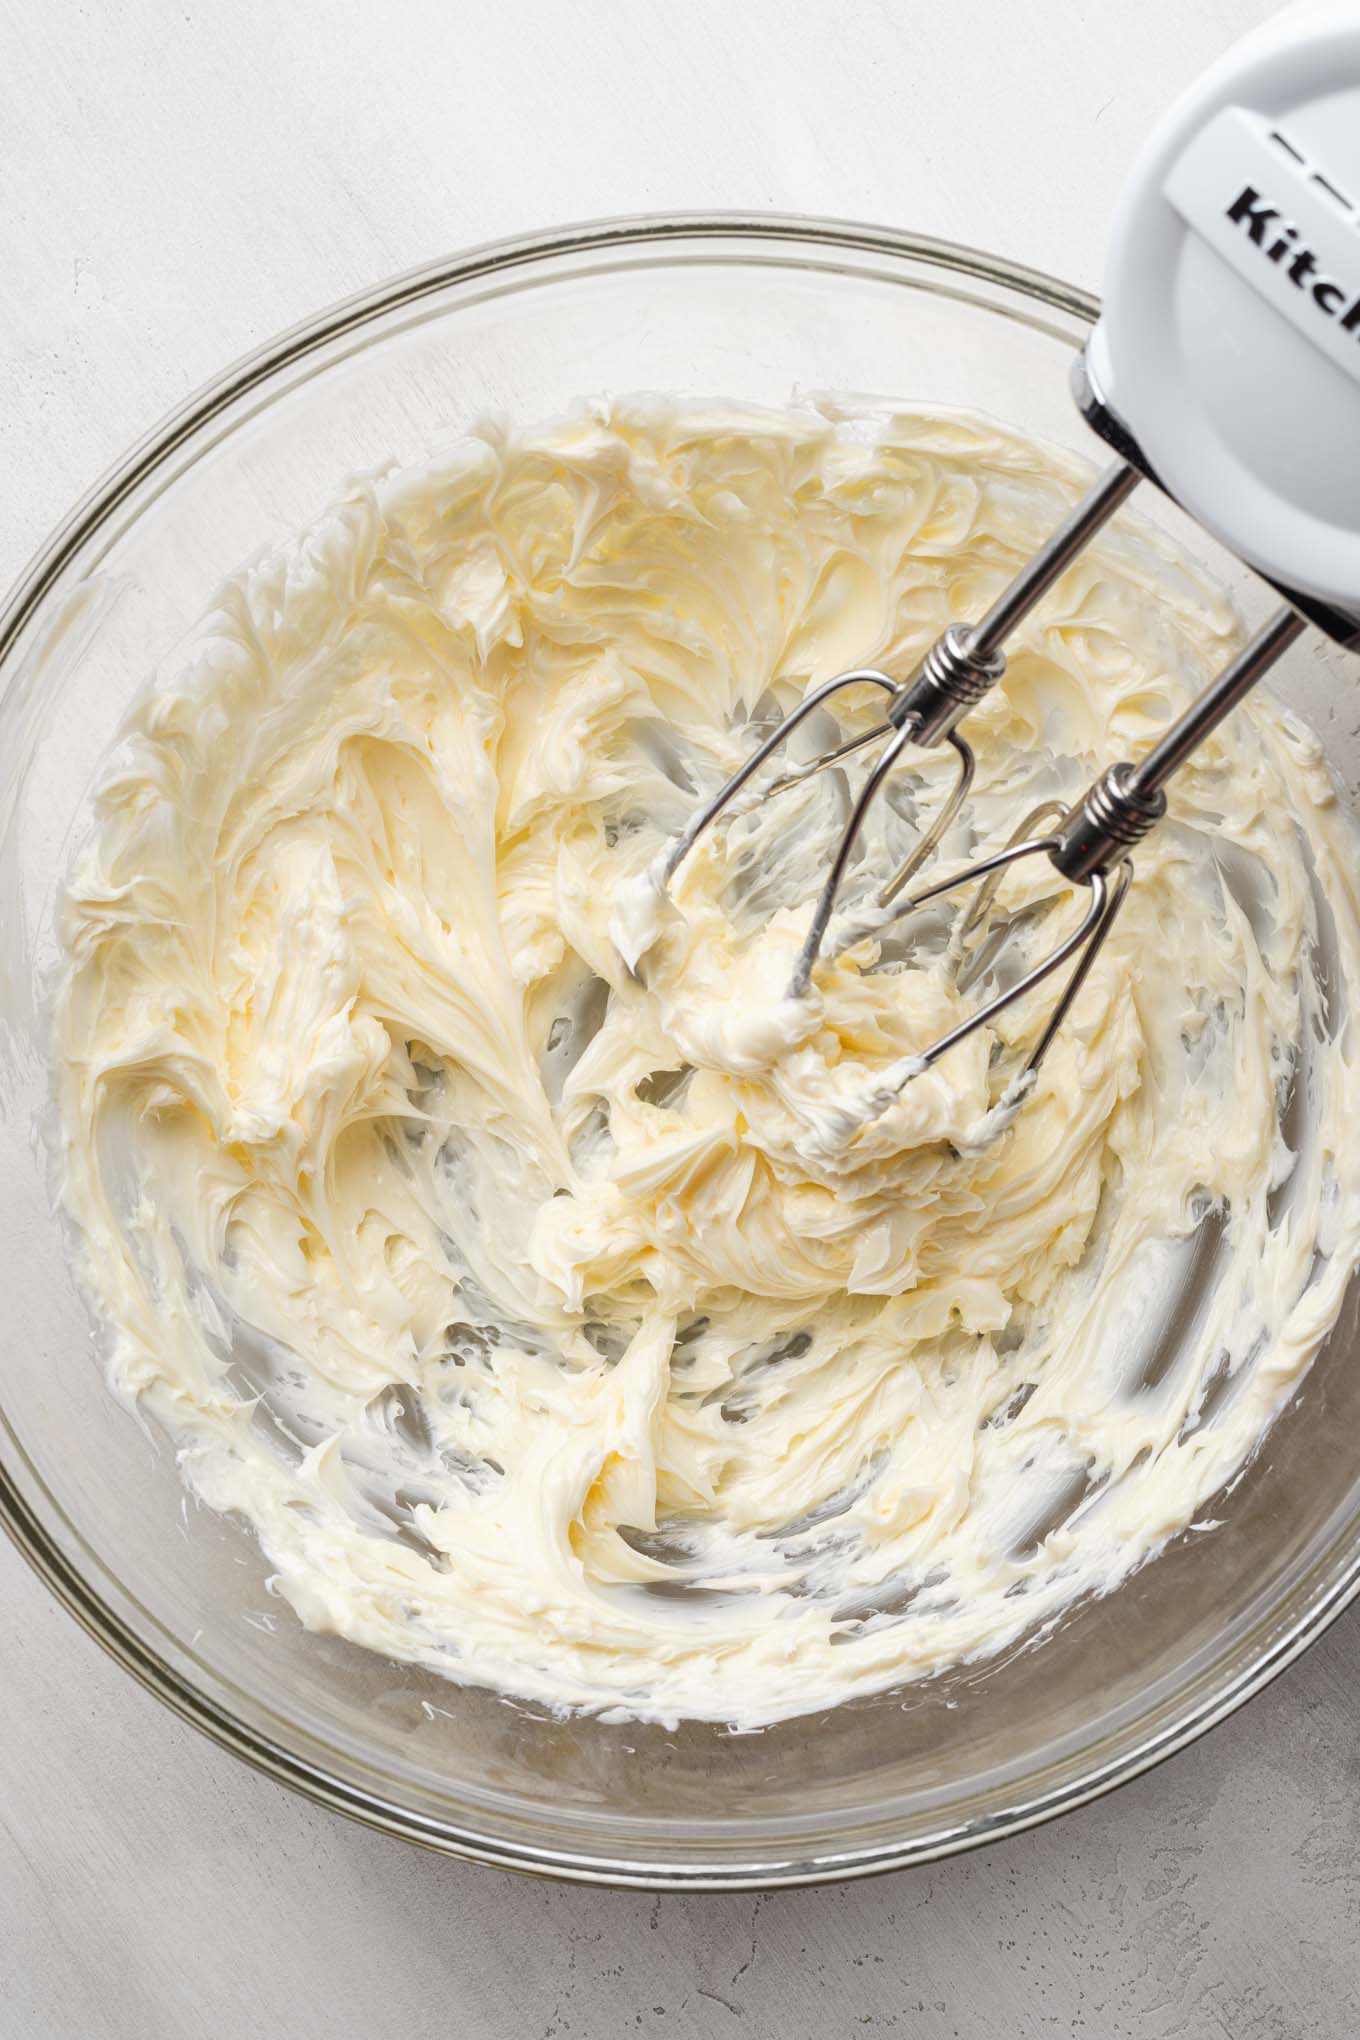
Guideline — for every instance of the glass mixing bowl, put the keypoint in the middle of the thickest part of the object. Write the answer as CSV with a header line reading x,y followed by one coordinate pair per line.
x,y
745,308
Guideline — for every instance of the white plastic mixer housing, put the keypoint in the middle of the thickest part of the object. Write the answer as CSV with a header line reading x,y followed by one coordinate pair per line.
x,y
1226,363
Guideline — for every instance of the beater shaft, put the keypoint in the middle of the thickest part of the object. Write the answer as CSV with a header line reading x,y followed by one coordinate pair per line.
x,y
1127,800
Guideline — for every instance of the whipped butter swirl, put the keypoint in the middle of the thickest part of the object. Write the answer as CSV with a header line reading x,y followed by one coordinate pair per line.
x,y
566,1308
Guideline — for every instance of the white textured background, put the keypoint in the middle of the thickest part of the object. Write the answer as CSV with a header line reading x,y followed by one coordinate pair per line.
x,y
177,182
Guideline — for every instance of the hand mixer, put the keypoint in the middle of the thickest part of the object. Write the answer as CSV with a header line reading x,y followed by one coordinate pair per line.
x,y
1225,369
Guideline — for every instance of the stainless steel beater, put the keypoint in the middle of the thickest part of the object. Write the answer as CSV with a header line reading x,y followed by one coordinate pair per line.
x,y
1226,369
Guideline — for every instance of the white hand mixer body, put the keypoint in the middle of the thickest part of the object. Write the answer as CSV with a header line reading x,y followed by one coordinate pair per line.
x,y
1225,368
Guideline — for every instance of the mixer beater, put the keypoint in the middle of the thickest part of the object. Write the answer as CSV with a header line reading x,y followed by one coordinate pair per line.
x,y
1088,844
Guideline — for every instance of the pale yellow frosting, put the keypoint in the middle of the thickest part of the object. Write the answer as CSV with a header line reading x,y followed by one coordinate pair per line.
x,y
568,1308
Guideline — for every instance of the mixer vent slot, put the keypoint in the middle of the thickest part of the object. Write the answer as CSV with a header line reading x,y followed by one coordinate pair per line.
x,y
1318,177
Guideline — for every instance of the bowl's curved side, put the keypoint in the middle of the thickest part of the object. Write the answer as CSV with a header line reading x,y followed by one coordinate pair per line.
x,y
472,1845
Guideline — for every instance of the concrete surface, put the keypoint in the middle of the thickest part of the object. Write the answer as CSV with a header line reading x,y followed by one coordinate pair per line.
x,y
178,182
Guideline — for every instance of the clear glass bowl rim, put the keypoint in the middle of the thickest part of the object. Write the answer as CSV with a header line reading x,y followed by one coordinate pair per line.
x,y
1336,1579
